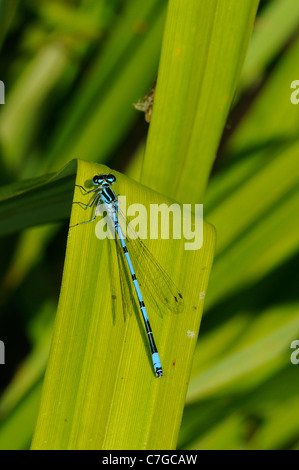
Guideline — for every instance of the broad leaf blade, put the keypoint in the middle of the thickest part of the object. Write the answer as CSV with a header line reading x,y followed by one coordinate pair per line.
x,y
100,391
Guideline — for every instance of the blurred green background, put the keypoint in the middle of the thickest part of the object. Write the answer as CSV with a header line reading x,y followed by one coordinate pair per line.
x,y
72,70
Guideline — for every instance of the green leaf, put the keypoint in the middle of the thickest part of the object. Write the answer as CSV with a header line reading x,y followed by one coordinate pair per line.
x,y
16,431
260,127
274,26
99,372
121,71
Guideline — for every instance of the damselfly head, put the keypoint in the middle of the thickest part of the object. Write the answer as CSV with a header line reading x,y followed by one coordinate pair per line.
x,y
103,180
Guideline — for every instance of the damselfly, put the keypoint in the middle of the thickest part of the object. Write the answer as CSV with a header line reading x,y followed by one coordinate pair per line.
x,y
146,104
165,288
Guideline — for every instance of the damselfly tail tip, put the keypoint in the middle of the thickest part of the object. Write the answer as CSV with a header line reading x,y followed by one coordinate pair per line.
x,y
159,372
